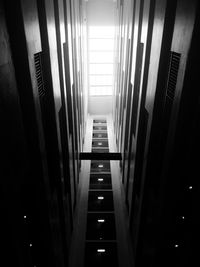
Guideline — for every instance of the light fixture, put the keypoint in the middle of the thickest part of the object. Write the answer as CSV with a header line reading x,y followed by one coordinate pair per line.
x,y
100,197
99,144
30,245
183,217
190,187
100,179
100,165
101,250
176,246
101,220
24,216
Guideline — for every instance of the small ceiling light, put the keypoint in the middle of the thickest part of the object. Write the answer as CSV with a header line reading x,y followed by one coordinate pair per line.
x,y
99,144
100,179
176,246
100,165
100,197
190,187
101,250
30,245
24,216
101,220
183,217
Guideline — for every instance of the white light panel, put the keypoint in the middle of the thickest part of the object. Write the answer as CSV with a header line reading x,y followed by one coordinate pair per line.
x,y
101,57
101,250
101,220
101,80
101,45
101,31
101,90
99,69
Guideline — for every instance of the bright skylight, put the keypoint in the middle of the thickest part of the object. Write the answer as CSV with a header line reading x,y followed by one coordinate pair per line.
x,y
101,60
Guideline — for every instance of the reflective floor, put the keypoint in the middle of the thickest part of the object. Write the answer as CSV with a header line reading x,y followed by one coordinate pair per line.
x,y
101,228
100,216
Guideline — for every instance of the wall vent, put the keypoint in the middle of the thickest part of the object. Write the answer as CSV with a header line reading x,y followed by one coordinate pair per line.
x,y
173,74
39,75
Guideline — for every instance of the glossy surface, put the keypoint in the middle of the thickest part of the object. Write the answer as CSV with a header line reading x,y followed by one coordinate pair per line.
x,y
100,201
100,181
100,135
95,258
100,166
99,143
100,226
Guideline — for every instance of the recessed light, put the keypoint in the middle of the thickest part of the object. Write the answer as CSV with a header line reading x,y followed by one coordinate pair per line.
x,y
30,245
100,197
190,187
100,179
101,250
176,246
100,165
101,220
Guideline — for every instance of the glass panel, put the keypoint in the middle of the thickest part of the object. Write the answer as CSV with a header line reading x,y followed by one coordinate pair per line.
x,y
101,57
101,69
101,80
100,90
101,31
101,44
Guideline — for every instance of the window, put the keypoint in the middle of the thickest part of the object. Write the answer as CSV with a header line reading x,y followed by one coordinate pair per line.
x,y
101,60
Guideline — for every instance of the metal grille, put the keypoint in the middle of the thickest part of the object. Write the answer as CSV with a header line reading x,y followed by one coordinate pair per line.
x,y
173,74
39,76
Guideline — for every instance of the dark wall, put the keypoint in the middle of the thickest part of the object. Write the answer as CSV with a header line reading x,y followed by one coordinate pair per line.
x,y
40,160
35,231
15,164
159,149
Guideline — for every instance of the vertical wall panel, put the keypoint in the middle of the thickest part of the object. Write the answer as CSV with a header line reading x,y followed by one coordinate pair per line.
x,y
14,157
151,85
43,192
155,226
35,189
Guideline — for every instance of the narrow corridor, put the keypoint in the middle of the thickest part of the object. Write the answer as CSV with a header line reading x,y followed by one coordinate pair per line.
x,y
101,231
100,126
